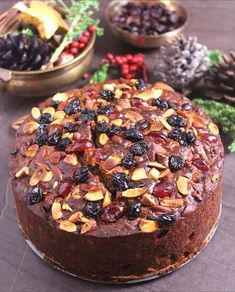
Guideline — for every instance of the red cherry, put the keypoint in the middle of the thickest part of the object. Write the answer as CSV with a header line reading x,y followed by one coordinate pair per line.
x,y
100,154
129,76
163,189
74,44
73,51
86,33
82,145
208,138
201,164
113,212
110,56
86,75
133,68
84,39
81,45
64,189
129,57
92,28
125,71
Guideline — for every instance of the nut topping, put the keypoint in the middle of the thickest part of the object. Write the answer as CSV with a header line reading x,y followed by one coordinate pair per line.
x,y
148,225
35,112
30,128
213,128
56,211
71,159
47,177
31,151
60,97
133,193
36,177
94,195
172,203
68,226
23,171
182,185
148,200
133,116
103,139
154,173
138,174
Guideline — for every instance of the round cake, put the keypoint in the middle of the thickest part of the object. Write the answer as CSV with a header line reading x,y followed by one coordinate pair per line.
x,y
118,181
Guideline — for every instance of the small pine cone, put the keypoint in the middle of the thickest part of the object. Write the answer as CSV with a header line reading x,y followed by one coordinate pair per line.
x,y
220,82
182,62
23,53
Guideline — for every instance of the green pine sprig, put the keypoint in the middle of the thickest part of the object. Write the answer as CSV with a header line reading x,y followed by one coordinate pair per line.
x,y
101,74
215,57
79,14
222,114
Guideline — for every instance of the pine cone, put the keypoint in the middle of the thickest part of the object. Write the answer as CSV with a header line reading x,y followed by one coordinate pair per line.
x,y
220,82
182,63
23,53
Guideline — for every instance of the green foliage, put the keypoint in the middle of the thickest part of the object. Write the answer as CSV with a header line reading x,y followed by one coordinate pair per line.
x,y
215,57
221,113
27,31
100,75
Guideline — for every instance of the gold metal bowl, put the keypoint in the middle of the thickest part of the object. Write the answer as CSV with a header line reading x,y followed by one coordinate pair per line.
x,y
49,81
144,41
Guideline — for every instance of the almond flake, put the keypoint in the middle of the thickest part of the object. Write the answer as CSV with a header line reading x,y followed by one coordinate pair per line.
x,y
148,200
117,122
161,85
116,158
78,217
107,199
71,159
138,174
124,103
148,225
133,193
164,173
68,226
156,125
118,93
50,110
56,211
36,177
157,93
165,123
103,139
172,203
214,177
86,227
213,129
47,177
102,118
57,122
157,165
30,128
35,112
68,135
31,151
154,173
60,97
182,185
94,195
66,206
76,193
23,171
109,86
146,95
55,185
133,116
168,113
59,115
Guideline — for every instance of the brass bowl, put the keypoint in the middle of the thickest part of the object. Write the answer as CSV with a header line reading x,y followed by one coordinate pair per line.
x,y
145,41
49,81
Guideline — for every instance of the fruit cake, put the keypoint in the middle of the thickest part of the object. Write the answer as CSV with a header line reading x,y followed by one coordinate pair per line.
x,y
118,181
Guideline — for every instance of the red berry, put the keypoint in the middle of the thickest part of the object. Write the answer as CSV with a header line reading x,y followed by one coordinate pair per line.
x,y
110,56
73,51
163,189
201,164
129,57
100,154
83,39
125,71
82,145
133,68
74,44
208,138
86,75
86,33
92,28
129,76
113,212
81,45
64,189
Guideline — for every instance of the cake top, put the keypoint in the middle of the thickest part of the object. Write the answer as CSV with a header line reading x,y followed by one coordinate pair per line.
x,y
116,158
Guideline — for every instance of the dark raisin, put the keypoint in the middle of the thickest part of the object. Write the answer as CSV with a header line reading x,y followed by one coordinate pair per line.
x,y
139,148
41,135
72,107
54,138
81,175
63,143
175,163
175,134
87,115
134,210
161,103
55,103
142,124
35,195
14,153
113,212
105,110
107,95
102,127
120,181
182,139
172,105
71,127
166,220
113,130
187,107
176,121
190,137
45,118
92,209
140,84
128,162
133,135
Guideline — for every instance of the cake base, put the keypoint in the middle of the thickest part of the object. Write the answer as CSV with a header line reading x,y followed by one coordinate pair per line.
x,y
147,277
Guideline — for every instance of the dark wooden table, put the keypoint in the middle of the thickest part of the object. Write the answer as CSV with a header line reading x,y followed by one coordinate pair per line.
x,y
213,270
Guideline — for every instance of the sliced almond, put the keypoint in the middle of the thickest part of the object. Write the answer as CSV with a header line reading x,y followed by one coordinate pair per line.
x,y
47,177
157,92
66,207
68,135
76,193
156,125
146,95
116,158
168,113
133,116
78,217
18,122
86,227
68,226
154,173
60,97
94,195
36,177
148,225
103,118
133,193
118,93
103,138
163,86
215,177
23,171
55,185
107,199
59,115
182,185
31,151
49,110
164,173
124,103
165,123
213,129
172,202
148,200
157,165
35,112
56,211
30,127
109,164
138,174
109,86
71,159
117,122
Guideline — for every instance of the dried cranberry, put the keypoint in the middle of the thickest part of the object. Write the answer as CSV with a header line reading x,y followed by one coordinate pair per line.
x,y
92,209
81,175
201,164
175,163
166,220
82,145
158,138
176,121
128,162
138,103
107,95
120,181
35,195
113,212
208,138
139,148
72,107
134,210
163,189
64,189
87,115
100,155
133,135
161,103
